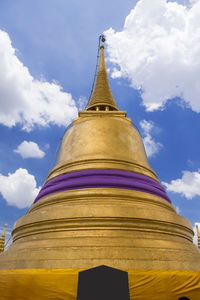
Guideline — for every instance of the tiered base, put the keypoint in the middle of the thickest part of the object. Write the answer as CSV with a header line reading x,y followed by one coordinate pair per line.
x,y
81,229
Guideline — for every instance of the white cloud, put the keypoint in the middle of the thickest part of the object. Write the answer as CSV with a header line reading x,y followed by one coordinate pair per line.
x,y
152,147
159,51
193,1
116,73
82,102
177,209
188,185
26,100
29,149
19,189
195,238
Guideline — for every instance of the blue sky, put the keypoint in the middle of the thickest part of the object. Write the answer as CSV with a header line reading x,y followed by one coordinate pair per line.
x,y
48,56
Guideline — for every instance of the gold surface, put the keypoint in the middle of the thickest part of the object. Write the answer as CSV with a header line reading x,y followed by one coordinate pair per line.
x,y
85,228
62,284
2,239
102,95
198,236
102,140
89,113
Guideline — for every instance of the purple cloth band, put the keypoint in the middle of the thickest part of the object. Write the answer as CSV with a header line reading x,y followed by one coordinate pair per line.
x,y
98,178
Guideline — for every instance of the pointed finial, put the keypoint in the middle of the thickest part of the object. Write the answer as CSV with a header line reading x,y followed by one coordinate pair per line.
x,y
102,98
2,239
102,38
198,236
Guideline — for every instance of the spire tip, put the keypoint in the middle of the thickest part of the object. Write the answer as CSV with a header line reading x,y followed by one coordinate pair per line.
x,y
101,97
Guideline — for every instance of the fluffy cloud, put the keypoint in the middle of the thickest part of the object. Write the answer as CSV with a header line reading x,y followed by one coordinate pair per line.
x,y
26,100
29,149
158,50
188,185
150,145
19,189
82,102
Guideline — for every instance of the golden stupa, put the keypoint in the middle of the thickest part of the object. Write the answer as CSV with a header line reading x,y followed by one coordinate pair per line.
x,y
102,204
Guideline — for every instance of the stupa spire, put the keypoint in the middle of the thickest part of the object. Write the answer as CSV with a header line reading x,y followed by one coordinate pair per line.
x,y
2,239
102,98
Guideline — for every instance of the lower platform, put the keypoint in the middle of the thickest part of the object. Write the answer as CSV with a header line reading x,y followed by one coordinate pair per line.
x,y
54,284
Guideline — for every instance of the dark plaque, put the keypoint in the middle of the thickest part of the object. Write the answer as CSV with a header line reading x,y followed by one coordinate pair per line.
x,y
103,283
